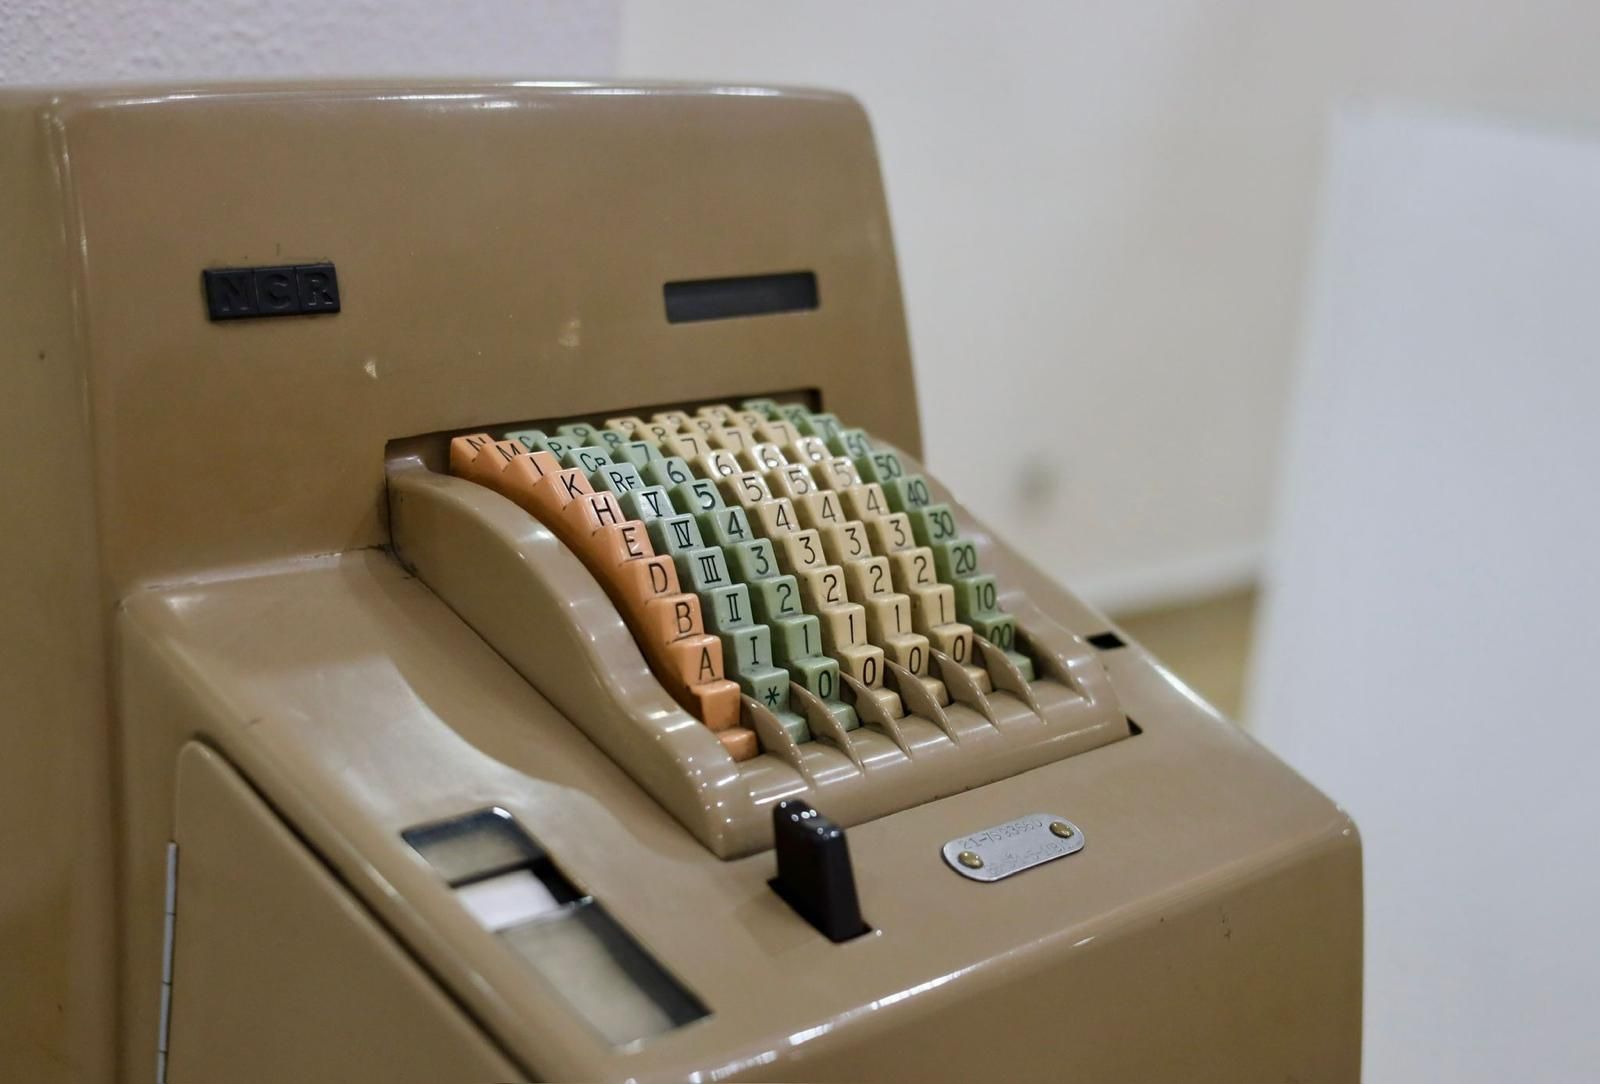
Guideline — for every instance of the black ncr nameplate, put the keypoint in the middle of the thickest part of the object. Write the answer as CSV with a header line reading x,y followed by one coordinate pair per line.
x,y
239,293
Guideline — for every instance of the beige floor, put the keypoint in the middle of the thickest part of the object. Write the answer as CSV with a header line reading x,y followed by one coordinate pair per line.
x,y
1206,643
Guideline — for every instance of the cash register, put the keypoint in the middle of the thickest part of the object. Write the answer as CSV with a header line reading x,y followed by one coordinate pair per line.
x,y
475,610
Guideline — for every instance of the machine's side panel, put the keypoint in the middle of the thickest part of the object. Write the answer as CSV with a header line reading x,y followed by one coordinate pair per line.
x,y
55,825
279,974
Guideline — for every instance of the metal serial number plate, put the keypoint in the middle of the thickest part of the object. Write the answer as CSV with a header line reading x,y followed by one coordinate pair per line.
x,y
1014,846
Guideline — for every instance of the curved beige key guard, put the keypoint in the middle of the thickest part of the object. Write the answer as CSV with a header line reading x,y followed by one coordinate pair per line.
x,y
533,600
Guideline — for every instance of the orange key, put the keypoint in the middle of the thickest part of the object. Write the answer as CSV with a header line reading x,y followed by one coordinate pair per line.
x,y
523,473
491,464
617,544
642,581
554,492
463,450
739,742
672,617
716,703
587,515
695,660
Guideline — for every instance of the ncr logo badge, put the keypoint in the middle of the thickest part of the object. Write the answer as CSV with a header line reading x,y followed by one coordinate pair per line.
x,y
241,293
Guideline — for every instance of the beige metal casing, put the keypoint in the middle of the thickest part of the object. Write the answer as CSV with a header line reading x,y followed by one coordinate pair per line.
x,y
200,512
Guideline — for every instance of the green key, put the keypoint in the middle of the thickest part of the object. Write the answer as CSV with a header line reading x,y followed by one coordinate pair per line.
x,y
842,712
725,526
818,675
908,493
609,441
674,534
797,416
747,650
751,561
850,442
638,452
976,596
1021,662
575,432
774,598
618,478
795,725
999,629
726,609
764,407
795,638
587,460
531,439
880,467
820,425
954,559
668,471
645,504
700,570
932,523
770,687
696,496
535,441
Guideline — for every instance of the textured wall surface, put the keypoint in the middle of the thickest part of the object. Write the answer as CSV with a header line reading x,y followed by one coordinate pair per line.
x,y
162,40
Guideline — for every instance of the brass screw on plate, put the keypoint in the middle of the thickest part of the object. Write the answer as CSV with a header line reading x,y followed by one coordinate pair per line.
x,y
970,860
1062,829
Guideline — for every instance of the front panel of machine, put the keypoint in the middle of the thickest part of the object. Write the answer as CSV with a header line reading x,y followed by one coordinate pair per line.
x,y
508,503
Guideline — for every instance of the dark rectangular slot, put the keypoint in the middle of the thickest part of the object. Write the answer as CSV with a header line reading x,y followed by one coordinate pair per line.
x,y
486,844
1105,641
749,295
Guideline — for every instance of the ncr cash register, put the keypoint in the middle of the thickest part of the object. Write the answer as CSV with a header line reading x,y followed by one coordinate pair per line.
x,y
473,610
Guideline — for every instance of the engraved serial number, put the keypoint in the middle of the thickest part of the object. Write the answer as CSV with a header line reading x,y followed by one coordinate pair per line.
x,y
1001,832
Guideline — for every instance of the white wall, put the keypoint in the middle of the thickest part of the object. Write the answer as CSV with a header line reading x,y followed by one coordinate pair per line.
x,y
1103,214
1432,617
44,41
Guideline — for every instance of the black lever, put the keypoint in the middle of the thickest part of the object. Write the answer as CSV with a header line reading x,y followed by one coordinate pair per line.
x,y
814,873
